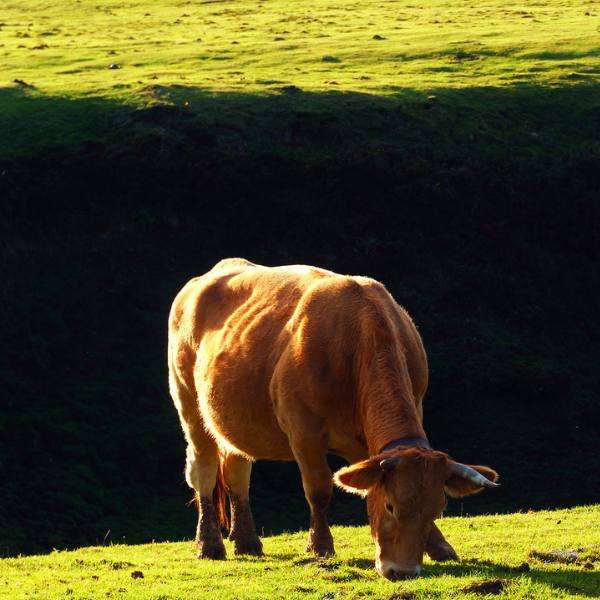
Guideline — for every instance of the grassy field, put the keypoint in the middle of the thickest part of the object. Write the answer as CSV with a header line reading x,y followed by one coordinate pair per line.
x,y
511,548
246,46
68,68
449,149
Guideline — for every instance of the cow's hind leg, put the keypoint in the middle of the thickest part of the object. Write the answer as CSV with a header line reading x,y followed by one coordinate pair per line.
x,y
201,471
202,466
438,548
236,472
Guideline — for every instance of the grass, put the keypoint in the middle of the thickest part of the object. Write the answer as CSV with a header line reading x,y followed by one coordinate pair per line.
x,y
247,46
449,149
509,547
185,54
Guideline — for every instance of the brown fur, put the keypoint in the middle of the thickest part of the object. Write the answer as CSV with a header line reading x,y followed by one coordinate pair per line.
x,y
289,363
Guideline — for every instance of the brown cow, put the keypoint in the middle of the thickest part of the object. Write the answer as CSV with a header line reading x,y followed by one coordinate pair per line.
x,y
290,363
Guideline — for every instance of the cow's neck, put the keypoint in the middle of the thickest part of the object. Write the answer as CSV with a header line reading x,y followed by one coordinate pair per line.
x,y
387,408
385,426
411,442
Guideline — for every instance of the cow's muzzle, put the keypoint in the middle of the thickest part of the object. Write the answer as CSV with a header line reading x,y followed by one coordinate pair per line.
x,y
395,572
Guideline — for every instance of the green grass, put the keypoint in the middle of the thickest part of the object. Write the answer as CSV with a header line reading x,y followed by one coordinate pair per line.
x,y
201,57
491,547
248,46
456,160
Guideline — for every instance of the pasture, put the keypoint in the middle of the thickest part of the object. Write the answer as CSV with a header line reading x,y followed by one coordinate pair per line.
x,y
512,553
72,72
257,47
449,149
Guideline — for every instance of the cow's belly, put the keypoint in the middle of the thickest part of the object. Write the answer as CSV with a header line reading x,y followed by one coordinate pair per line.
x,y
235,406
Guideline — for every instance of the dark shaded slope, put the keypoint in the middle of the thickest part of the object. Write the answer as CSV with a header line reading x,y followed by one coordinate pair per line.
x,y
487,233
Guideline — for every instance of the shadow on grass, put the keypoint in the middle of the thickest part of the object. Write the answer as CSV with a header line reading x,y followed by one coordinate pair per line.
x,y
513,122
562,55
458,54
477,207
361,563
580,582
587,583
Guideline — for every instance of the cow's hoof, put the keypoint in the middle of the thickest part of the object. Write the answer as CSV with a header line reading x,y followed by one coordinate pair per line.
x,y
322,550
251,547
212,551
443,553
320,543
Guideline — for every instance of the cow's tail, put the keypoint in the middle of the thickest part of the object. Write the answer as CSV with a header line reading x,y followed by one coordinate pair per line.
x,y
220,497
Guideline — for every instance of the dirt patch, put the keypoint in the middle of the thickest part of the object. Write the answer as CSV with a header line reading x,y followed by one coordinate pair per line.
x,y
304,589
555,556
588,556
585,558
318,561
115,565
493,586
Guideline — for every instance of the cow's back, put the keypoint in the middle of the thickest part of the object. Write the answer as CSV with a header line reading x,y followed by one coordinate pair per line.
x,y
262,346
227,331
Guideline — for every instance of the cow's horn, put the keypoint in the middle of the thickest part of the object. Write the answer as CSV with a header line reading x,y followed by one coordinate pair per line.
x,y
389,464
473,475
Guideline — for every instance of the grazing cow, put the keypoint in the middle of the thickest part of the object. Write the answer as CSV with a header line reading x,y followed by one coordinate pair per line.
x,y
290,363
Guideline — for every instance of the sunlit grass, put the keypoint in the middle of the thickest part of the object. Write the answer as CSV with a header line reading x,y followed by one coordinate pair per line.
x,y
203,56
68,47
491,547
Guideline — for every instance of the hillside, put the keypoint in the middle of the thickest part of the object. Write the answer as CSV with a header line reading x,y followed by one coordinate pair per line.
x,y
450,151
286,75
514,551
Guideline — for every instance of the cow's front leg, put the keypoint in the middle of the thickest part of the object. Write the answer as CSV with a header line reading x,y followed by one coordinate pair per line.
x,y
438,548
320,540
236,471
318,485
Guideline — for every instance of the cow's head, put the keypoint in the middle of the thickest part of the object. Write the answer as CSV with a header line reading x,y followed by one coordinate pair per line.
x,y
405,494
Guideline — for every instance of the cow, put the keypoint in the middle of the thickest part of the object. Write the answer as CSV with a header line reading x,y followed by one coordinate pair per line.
x,y
293,363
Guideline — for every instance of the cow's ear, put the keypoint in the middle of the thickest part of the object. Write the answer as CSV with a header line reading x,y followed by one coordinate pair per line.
x,y
457,485
359,477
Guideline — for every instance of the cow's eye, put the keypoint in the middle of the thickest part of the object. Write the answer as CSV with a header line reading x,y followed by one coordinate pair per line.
x,y
389,507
